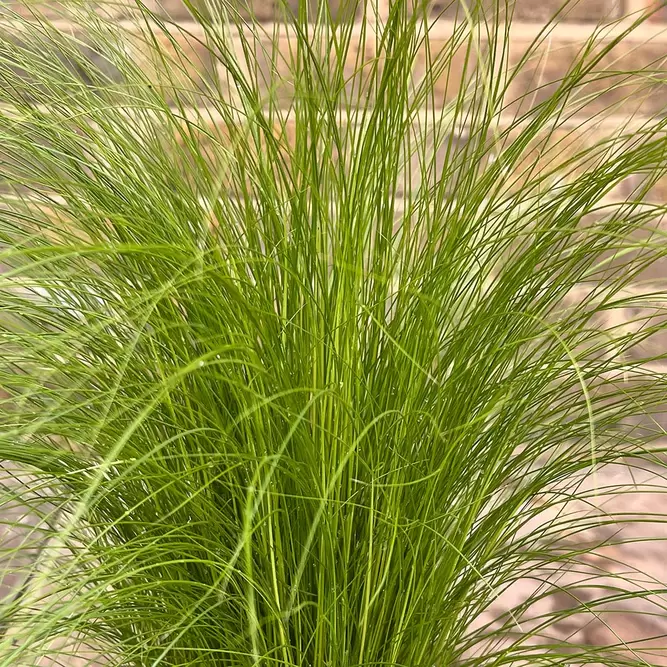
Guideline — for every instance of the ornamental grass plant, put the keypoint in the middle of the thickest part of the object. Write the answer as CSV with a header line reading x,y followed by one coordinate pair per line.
x,y
307,332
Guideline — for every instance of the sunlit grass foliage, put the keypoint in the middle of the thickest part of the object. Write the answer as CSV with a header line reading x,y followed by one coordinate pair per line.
x,y
304,328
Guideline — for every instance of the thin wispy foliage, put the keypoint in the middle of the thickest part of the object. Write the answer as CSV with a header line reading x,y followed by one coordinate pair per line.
x,y
305,330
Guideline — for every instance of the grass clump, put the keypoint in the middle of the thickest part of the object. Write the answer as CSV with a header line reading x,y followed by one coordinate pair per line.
x,y
300,344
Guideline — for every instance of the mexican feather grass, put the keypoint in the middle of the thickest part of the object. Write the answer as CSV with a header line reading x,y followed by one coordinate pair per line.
x,y
304,332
